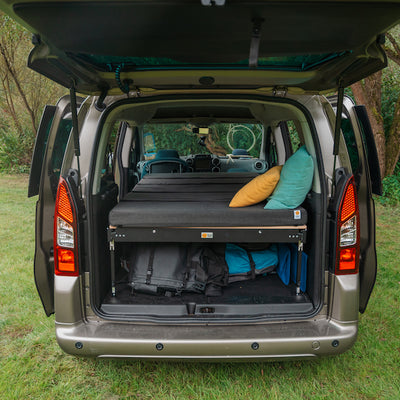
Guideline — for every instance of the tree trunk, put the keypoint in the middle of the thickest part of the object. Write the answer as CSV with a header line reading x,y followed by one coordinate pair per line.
x,y
393,141
21,92
369,94
10,104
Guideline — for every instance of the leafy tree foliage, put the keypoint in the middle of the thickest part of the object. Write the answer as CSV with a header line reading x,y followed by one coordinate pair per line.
x,y
23,94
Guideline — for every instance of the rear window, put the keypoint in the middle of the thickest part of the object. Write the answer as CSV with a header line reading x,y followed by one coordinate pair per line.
x,y
289,63
220,138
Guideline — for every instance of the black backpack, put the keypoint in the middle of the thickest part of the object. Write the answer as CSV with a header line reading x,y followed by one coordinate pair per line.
x,y
172,269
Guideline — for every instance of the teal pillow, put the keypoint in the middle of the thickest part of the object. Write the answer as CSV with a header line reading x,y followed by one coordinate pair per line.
x,y
295,182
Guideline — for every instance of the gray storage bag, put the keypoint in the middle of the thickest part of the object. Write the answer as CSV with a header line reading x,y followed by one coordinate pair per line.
x,y
171,269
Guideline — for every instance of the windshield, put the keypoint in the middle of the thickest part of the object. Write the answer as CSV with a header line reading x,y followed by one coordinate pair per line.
x,y
221,139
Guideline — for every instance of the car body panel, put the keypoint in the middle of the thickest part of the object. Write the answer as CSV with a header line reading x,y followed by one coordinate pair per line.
x,y
80,42
368,259
53,158
44,261
344,302
249,342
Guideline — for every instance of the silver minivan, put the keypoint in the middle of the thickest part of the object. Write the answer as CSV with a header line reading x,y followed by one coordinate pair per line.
x,y
199,194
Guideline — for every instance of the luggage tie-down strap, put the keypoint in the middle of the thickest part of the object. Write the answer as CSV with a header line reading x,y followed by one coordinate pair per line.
x,y
300,248
150,266
252,265
186,274
112,256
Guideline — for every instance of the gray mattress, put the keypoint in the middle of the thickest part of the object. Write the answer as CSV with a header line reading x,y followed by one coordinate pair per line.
x,y
195,200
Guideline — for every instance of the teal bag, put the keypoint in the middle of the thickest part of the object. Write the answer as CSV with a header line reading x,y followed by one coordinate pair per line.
x,y
243,264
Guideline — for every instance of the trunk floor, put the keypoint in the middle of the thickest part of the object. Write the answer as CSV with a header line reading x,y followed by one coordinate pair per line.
x,y
262,290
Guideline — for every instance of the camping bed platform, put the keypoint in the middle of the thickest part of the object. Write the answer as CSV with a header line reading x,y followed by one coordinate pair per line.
x,y
194,208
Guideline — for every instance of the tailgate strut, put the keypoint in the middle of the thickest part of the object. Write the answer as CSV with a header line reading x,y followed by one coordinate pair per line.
x,y
338,123
75,131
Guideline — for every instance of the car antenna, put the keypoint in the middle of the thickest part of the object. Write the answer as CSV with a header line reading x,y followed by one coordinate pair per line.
x,y
75,131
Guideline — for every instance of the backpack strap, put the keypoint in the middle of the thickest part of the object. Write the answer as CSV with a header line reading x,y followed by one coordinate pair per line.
x,y
150,266
186,274
252,265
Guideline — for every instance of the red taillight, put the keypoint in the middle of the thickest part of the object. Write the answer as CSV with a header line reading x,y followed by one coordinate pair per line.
x,y
347,259
349,204
64,204
65,233
65,260
348,232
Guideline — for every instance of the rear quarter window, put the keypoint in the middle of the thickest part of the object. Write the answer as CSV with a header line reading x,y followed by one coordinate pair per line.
x,y
57,156
351,144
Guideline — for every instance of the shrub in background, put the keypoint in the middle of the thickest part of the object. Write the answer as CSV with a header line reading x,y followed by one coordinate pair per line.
x,y
15,151
391,189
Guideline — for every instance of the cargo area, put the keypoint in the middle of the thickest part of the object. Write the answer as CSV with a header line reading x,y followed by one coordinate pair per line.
x,y
172,246
182,269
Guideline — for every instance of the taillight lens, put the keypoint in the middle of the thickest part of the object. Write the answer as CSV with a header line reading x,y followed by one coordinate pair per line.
x,y
65,233
348,232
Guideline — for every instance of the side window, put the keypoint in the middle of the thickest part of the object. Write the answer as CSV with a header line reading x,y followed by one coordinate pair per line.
x,y
107,175
270,148
370,147
351,144
57,156
40,149
291,137
294,136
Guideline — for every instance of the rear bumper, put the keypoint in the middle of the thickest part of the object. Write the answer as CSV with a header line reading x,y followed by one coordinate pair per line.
x,y
234,342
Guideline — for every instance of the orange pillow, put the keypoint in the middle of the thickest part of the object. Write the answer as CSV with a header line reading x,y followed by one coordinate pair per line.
x,y
258,189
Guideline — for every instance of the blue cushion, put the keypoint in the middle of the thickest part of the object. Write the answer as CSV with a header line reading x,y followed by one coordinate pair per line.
x,y
295,182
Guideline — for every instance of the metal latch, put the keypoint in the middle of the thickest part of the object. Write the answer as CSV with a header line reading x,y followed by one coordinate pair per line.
x,y
280,91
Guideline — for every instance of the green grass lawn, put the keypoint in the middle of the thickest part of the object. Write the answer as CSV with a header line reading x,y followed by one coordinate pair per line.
x,y
32,366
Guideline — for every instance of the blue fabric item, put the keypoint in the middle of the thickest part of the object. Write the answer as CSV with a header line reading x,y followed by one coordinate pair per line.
x,y
287,265
295,181
238,261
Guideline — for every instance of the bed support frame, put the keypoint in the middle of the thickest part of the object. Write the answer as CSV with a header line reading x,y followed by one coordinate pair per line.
x,y
260,234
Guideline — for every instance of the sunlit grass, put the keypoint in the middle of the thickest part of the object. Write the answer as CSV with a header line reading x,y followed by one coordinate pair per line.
x,y
33,366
